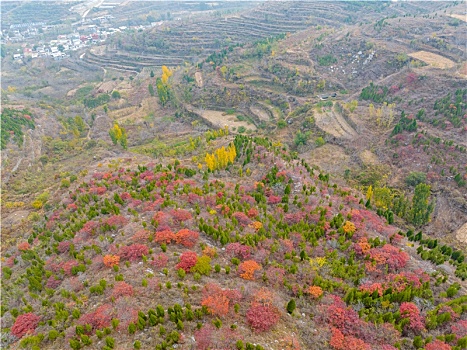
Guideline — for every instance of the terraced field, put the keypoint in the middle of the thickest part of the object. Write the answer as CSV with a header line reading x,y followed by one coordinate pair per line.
x,y
192,39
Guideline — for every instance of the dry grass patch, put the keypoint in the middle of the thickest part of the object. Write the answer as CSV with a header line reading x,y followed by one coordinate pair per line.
x,y
461,17
369,158
433,59
330,158
221,119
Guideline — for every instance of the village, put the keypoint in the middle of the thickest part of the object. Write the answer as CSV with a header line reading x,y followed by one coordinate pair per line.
x,y
30,36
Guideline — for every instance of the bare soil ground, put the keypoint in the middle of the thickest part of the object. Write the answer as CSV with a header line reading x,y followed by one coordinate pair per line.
x,y
433,60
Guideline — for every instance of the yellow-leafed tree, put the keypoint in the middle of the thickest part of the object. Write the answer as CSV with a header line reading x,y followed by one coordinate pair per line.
x,y
221,158
166,74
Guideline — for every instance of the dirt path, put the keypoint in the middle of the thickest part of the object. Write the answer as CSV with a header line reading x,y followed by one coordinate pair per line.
x,y
199,79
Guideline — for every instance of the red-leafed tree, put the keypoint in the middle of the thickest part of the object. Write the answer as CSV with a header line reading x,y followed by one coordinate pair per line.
x,y
25,323
275,275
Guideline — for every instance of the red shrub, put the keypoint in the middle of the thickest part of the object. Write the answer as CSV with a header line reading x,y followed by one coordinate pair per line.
x,y
52,282
25,323
337,314
98,190
188,259
217,304
67,266
450,311
262,318
160,218
218,300
10,262
204,337
241,218
437,345
98,319
239,250
90,227
133,252
110,260
64,246
72,207
186,237
141,236
180,215
253,212
248,199
160,260
73,284
411,311
23,246
125,196
165,236
339,342
116,220
337,339
411,77
395,258
460,328
274,199
122,289
275,275
125,313
370,288
248,268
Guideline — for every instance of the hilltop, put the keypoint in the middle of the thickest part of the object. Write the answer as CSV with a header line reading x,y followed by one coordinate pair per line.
x,y
263,249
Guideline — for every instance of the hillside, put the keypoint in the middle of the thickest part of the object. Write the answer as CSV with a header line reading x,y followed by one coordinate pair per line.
x,y
234,175
266,252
